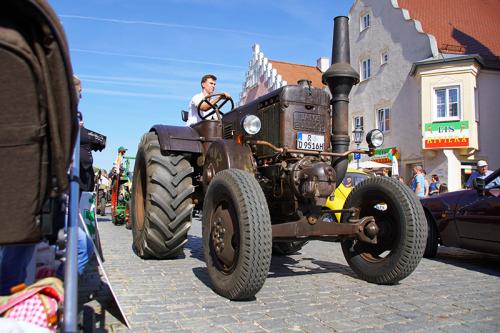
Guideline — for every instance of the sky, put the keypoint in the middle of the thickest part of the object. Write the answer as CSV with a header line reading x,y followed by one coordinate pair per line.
x,y
140,62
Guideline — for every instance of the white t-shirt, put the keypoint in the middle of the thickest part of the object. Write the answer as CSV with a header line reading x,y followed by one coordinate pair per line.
x,y
193,117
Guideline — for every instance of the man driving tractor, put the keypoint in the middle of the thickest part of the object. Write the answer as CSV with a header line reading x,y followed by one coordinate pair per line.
x,y
208,83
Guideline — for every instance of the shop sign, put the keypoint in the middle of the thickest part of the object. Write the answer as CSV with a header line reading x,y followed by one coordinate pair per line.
x,y
384,155
446,135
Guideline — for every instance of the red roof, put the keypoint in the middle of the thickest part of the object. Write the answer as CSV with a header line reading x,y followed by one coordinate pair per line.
x,y
295,72
460,26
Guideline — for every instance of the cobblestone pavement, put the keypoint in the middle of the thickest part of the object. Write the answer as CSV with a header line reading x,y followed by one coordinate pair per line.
x,y
313,291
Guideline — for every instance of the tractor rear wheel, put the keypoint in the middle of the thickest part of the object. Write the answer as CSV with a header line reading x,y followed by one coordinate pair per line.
x,y
237,236
161,201
402,231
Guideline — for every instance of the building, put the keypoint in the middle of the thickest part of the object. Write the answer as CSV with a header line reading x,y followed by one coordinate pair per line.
x,y
430,78
265,75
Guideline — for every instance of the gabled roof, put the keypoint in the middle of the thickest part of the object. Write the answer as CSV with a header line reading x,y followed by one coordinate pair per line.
x,y
295,72
460,26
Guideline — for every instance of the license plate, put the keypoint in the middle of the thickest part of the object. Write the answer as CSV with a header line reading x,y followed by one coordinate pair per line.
x,y
310,141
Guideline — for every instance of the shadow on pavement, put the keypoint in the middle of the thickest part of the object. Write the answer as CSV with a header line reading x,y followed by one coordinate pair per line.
x,y
476,261
288,266
195,247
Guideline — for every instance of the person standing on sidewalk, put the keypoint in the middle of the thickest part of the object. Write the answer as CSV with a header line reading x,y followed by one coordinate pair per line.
x,y
418,181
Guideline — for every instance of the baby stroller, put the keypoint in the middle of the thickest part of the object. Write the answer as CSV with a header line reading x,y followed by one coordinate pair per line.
x,y
38,135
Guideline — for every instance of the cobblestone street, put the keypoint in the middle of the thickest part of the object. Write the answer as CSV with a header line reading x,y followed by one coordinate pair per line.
x,y
313,291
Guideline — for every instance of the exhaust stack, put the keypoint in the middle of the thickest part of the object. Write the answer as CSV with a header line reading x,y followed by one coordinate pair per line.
x,y
340,78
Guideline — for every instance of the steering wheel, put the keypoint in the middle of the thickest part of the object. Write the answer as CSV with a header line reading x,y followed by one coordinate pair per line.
x,y
215,107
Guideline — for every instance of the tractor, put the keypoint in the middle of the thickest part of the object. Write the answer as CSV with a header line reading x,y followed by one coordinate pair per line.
x,y
120,189
261,174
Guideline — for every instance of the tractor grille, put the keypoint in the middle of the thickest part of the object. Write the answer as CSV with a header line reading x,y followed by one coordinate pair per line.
x,y
270,131
227,132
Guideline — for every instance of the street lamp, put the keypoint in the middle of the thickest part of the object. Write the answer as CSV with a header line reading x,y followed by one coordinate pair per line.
x,y
358,138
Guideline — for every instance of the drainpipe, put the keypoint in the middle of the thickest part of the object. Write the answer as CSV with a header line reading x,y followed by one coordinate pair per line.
x,y
340,78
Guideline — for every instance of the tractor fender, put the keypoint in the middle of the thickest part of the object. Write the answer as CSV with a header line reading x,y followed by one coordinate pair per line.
x,y
178,138
227,154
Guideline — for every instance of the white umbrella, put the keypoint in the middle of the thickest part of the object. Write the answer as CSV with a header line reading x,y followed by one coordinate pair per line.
x,y
372,165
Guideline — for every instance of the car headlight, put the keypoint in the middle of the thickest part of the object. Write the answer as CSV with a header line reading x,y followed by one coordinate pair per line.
x,y
251,124
375,138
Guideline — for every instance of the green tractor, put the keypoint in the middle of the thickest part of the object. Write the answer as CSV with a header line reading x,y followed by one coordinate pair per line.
x,y
120,189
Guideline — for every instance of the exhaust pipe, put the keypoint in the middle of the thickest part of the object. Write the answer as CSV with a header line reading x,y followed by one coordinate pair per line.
x,y
340,78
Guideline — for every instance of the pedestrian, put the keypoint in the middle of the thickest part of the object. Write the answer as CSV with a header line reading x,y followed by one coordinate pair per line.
x,y
434,185
208,83
385,172
481,172
402,179
418,181
426,183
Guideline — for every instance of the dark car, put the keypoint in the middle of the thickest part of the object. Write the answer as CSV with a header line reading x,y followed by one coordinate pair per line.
x,y
469,219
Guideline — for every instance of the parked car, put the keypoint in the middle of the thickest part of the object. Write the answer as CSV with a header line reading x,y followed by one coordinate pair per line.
x,y
468,219
343,190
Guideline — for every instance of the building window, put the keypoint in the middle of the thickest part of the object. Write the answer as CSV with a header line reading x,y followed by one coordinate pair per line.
x,y
384,119
384,58
447,103
357,122
365,69
364,22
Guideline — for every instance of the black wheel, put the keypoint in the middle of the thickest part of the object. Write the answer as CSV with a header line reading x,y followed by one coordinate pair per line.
x,y
402,231
431,246
102,206
287,248
161,204
87,322
98,244
237,236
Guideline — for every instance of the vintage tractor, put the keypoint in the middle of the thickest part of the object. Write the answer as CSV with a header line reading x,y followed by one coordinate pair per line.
x,y
262,174
120,192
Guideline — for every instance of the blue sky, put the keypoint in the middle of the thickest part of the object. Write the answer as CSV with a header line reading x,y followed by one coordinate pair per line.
x,y
141,61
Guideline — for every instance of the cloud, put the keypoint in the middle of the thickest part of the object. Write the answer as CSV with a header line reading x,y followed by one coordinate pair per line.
x,y
128,55
165,24
132,94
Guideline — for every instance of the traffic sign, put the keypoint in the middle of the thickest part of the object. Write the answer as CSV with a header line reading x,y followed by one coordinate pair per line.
x,y
357,156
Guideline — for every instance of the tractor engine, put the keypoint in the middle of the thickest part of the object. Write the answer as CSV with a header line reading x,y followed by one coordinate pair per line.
x,y
295,119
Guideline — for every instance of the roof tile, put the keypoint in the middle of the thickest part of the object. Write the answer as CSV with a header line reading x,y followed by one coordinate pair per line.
x,y
460,26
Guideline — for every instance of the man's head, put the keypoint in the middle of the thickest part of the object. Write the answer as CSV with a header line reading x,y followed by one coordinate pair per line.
x,y
122,150
482,166
417,169
208,83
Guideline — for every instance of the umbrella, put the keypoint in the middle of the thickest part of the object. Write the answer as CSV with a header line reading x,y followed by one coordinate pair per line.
x,y
368,165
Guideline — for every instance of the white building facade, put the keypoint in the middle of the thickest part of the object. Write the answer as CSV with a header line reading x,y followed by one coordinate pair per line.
x,y
435,109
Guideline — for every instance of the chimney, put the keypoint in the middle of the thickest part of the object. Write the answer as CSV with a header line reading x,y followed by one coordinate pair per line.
x,y
323,64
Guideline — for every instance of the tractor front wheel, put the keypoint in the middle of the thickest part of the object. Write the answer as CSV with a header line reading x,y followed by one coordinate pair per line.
x,y
237,236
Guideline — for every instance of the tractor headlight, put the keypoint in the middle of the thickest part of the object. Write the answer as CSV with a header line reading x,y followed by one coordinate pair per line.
x,y
251,124
375,138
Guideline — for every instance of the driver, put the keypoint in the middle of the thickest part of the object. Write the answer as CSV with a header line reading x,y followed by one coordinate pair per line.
x,y
208,83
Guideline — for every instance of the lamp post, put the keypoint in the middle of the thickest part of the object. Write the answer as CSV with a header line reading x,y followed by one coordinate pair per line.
x,y
358,138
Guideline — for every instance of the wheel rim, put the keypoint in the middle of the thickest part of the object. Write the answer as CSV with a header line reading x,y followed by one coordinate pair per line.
x,y
224,237
139,194
383,209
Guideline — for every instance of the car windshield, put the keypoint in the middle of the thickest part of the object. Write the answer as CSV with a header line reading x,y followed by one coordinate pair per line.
x,y
356,178
493,180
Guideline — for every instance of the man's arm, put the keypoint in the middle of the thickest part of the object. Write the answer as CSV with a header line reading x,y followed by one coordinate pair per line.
x,y
471,179
205,106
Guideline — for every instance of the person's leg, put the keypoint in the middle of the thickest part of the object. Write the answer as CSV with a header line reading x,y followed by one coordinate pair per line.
x,y
13,263
85,250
